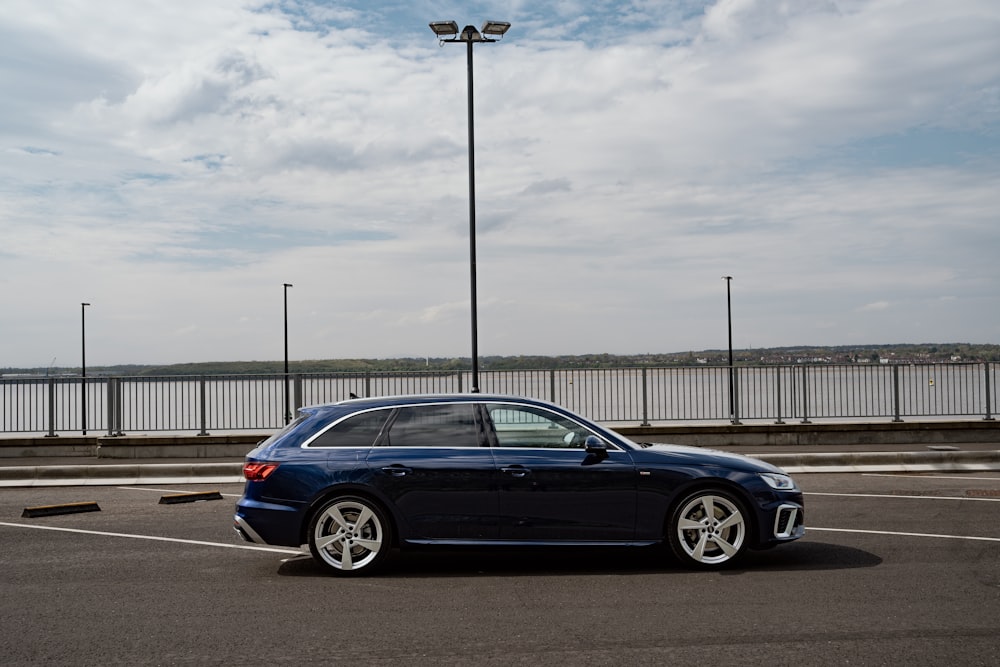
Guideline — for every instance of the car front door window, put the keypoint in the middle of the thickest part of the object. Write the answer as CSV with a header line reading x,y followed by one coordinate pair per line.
x,y
535,428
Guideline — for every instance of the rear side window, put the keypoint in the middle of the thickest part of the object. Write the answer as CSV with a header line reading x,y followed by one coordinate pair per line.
x,y
450,425
358,430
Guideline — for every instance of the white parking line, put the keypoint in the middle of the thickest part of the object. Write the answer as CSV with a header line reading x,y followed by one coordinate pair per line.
x,y
156,538
891,495
298,552
912,476
889,532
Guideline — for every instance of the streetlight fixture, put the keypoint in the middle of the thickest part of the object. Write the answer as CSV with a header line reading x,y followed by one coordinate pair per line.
x,y
732,380
447,33
83,366
288,415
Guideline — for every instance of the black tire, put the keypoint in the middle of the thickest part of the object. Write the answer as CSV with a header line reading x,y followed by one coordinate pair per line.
x,y
709,528
350,535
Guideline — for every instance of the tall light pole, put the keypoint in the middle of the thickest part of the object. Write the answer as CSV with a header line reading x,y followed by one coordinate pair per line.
x,y
83,365
447,32
288,415
732,384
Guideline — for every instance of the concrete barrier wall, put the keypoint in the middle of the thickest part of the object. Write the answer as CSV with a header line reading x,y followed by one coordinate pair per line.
x,y
133,447
835,434
710,435
72,446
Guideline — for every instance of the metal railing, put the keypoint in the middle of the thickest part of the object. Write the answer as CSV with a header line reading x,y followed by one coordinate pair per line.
x,y
219,403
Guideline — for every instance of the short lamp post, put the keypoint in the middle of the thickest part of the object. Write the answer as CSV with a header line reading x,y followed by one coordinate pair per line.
x,y
83,366
288,414
447,33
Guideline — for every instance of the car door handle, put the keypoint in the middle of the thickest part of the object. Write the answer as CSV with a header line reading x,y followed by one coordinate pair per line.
x,y
397,471
516,471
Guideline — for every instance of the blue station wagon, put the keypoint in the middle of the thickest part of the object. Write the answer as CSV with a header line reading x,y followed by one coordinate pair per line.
x,y
356,478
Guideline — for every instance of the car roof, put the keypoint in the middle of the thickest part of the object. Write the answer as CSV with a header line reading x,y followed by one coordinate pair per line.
x,y
358,404
416,399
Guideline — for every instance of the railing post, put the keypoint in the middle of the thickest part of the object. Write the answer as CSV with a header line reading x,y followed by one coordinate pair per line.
x,y
52,409
368,384
895,394
734,391
777,394
297,393
805,395
203,401
989,395
83,403
645,399
552,385
119,409
112,395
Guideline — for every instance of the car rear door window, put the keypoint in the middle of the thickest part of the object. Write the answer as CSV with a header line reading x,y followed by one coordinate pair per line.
x,y
447,425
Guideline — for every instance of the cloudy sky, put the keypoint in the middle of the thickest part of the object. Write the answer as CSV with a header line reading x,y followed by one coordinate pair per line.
x,y
174,163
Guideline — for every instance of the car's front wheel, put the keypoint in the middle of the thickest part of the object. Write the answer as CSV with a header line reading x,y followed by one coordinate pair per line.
x,y
708,528
349,535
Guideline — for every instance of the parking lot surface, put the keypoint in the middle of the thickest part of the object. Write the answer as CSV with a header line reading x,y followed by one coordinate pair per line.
x,y
894,569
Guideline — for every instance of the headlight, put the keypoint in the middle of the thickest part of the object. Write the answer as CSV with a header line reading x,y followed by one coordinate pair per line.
x,y
778,482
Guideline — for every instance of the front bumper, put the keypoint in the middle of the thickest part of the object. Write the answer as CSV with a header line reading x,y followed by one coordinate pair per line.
x,y
789,522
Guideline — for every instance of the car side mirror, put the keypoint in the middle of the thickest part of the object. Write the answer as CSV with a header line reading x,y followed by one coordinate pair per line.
x,y
596,446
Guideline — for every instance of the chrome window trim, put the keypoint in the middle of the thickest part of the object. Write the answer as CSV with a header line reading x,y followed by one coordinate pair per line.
x,y
473,401
611,448
308,442
390,408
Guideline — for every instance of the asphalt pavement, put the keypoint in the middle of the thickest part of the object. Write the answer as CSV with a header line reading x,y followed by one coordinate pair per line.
x,y
893,570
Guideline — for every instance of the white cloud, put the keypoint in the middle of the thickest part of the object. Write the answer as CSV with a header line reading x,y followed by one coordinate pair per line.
x,y
875,306
175,163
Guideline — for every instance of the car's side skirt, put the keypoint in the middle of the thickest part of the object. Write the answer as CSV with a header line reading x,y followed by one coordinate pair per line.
x,y
533,543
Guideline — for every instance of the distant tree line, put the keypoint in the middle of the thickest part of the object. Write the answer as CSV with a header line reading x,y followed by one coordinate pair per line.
x,y
842,354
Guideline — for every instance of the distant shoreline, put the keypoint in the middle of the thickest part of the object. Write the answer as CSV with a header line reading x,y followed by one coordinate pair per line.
x,y
803,354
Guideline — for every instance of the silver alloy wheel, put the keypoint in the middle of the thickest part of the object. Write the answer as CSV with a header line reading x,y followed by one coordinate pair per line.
x,y
348,535
709,529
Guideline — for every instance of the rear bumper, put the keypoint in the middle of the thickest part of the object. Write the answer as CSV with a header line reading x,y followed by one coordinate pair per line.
x,y
246,531
268,523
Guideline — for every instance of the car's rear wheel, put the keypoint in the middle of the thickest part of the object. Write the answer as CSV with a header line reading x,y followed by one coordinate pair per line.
x,y
350,535
708,528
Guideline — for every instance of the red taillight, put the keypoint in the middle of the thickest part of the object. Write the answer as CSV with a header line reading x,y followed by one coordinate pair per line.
x,y
256,471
